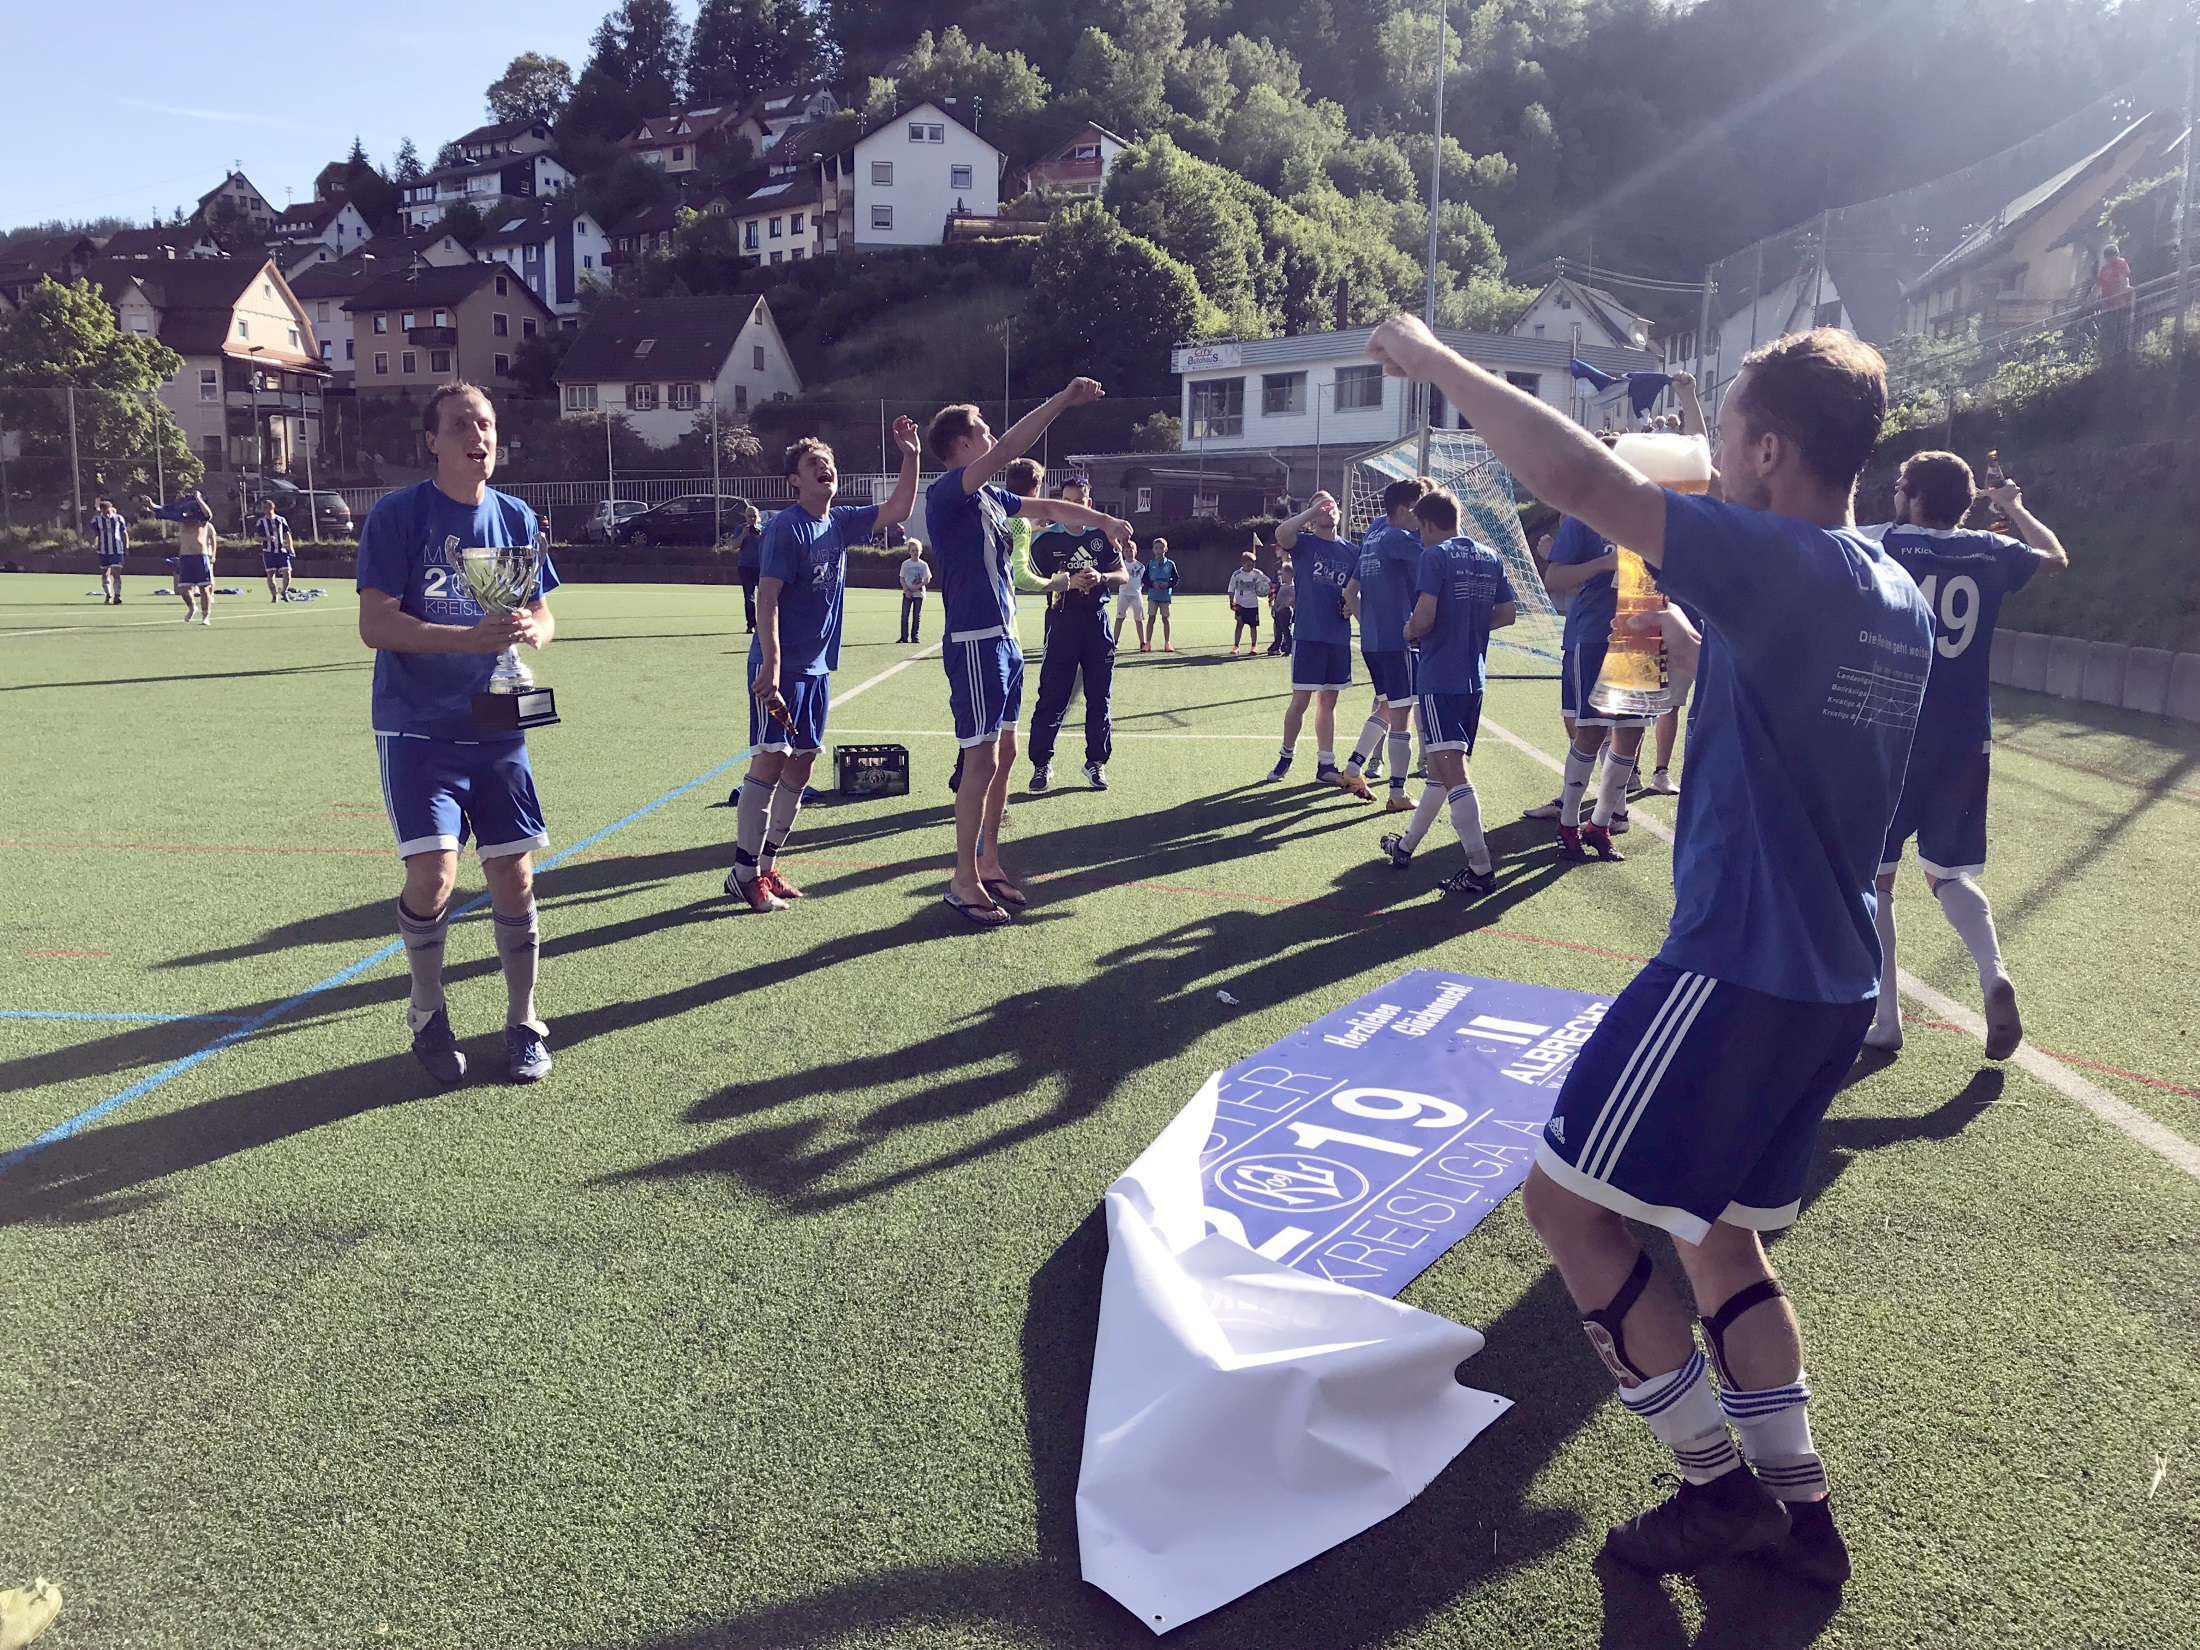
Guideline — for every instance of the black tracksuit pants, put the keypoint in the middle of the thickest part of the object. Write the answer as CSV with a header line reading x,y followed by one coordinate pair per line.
x,y
1078,645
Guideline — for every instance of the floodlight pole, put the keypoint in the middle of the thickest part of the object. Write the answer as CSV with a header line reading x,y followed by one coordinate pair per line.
x,y
1435,220
76,469
2184,193
1703,330
717,489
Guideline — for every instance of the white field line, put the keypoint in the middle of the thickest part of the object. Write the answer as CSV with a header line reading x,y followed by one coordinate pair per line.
x,y
949,733
2164,1143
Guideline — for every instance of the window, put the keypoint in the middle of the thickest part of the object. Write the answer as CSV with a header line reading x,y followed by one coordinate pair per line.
x,y
1208,505
322,313
882,217
1218,408
1086,151
1359,387
504,366
244,327
1145,501
685,397
776,256
794,224
1281,393
740,398
381,323
328,349
408,362
958,177
442,317
644,347
408,321
749,236
778,228
381,364
882,174
210,384
213,451
757,357
797,252
1532,382
588,260
504,285
679,154
935,134
916,131
439,360
294,341
580,398
500,326
641,397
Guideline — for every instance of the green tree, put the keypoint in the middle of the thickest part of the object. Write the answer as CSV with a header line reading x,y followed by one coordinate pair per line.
x,y
1107,302
532,87
600,112
406,168
740,47
643,46
233,231
1193,211
957,74
462,223
64,339
369,190
621,189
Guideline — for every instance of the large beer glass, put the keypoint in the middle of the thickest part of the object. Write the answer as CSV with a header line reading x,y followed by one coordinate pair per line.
x,y
1635,683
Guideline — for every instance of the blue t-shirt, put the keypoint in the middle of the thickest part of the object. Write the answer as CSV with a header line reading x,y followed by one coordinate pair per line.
x,y
1390,561
1589,611
1816,649
751,556
1963,576
1160,575
408,548
970,540
1468,581
274,535
810,557
1323,568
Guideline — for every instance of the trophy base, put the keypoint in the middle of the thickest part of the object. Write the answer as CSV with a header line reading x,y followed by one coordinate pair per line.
x,y
515,712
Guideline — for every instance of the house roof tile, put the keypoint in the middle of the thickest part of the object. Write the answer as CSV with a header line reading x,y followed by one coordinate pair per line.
x,y
688,338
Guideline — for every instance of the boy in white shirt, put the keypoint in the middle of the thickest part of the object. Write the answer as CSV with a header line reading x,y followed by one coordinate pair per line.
x,y
1248,585
916,577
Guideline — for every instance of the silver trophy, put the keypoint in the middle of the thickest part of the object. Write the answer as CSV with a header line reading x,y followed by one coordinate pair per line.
x,y
503,579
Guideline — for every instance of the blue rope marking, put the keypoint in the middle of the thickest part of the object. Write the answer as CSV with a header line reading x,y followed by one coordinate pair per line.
x,y
343,976
165,1019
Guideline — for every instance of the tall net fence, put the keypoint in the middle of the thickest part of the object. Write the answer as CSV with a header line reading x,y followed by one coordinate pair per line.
x,y
1464,463
1861,265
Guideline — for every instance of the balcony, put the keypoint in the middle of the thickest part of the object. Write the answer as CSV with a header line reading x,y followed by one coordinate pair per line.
x,y
432,337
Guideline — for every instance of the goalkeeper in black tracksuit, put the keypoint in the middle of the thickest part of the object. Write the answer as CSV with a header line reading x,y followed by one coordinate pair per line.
x,y
1080,572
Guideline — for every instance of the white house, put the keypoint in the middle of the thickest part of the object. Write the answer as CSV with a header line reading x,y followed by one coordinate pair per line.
x,y
779,221
1320,390
899,183
555,247
676,143
783,109
480,184
666,364
335,223
1571,312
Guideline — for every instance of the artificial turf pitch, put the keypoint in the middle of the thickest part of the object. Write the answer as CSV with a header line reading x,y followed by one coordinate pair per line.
x,y
766,1320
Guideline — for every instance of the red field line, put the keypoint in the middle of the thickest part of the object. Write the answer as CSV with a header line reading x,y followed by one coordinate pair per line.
x,y
2179,791
2070,1059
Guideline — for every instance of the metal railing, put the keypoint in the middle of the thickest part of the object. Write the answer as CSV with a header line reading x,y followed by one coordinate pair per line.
x,y
2090,328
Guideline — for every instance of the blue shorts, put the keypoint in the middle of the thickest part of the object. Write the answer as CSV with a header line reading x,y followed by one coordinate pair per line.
x,y
803,733
1944,806
1578,669
194,570
1449,721
275,561
438,791
110,558
985,687
1697,1100
1320,667
1392,674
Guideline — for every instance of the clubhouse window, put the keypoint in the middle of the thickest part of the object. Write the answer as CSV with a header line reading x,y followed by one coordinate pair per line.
x,y
1359,388
1282,393
1218,407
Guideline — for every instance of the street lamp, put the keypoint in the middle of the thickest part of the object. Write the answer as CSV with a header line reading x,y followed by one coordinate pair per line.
x,y
258,449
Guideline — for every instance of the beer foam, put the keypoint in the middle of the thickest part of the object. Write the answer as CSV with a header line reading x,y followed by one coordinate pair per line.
x,y
1682,462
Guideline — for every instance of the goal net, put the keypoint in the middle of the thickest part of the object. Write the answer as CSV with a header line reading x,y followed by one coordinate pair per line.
x,y
1461,461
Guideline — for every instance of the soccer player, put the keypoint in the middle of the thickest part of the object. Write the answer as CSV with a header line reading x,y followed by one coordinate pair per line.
x,y
275,550
968,515
1080,646
1964,576
916,578
111,538
1461,594
1328,569
444,778
1390,568
1247,585
1131,598
1582,566
799,596
1281,600
1160,577
1695,1104
195,549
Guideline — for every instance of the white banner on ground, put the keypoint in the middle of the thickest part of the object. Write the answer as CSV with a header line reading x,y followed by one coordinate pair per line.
x,y
1245,1417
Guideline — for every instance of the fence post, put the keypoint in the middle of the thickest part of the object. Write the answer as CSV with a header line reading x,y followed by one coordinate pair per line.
x,y
2184,193
160,470
76,469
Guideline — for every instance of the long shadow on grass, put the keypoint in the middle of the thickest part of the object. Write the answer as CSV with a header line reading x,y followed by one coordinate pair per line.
x,y
196,676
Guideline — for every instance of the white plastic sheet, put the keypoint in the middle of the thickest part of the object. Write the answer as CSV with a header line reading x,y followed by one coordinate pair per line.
x,y
1245,1417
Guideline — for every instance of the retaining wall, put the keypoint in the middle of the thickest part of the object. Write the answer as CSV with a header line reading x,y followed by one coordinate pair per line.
x,y
2151,679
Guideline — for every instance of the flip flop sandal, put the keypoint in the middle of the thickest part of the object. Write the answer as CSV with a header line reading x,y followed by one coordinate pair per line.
x,y
1006,893
981,916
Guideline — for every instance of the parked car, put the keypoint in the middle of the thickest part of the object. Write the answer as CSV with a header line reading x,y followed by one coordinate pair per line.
x,y
610,515
693,519
304,511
